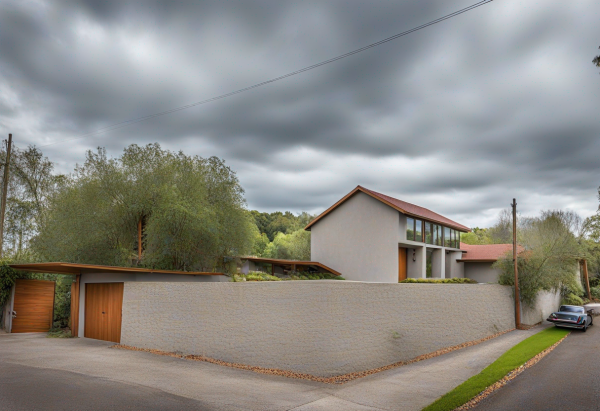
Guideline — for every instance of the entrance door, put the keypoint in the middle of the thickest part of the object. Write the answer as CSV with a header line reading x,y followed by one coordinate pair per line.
x,y
34,306
103,306
401,264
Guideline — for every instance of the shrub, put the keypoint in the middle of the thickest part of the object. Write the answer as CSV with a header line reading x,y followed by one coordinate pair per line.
x,y
595,291
440,281
260,276
572,299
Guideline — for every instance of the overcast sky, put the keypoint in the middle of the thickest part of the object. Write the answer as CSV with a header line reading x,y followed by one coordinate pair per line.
x,y
500,102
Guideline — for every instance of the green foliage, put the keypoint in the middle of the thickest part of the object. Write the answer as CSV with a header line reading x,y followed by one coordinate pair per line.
x,y
439,281
254,276
59,333
550,259
572,299
281,235
595,291
191,208
293,246
510,360
278,222
477,236
8,276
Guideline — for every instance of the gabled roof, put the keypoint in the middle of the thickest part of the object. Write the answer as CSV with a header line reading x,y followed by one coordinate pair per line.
x,y
485,252
402,206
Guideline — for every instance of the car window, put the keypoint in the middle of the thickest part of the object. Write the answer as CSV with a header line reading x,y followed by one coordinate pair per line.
x,y
566,308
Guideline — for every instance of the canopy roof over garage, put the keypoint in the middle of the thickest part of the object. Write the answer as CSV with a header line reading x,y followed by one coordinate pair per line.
x,y
75,269
291,264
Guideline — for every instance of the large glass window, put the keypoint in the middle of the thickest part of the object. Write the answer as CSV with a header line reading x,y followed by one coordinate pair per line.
x,y
447,238
410,228
428,233
428,263
436,234
458,239
418,230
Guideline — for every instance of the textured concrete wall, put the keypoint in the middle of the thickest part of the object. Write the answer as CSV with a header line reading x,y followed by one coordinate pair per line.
x,y
359,239
545,304
323,328
481,272
91,277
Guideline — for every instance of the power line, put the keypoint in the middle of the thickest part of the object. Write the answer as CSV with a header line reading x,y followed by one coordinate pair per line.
x,y
126,123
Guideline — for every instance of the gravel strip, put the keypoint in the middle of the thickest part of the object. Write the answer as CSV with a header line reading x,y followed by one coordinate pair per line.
x,y
508,377
338,379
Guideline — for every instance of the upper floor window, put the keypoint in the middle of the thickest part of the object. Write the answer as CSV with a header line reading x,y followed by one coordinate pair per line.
x,y
418,230
447,237
428,232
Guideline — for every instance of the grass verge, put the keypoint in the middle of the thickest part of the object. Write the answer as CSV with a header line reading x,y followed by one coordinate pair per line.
x,y
510,360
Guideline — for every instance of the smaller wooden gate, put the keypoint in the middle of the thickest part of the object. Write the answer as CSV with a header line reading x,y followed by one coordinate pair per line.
x,y
103,307
33,305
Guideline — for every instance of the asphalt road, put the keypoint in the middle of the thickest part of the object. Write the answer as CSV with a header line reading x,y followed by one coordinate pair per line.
x,y
29,388
566,379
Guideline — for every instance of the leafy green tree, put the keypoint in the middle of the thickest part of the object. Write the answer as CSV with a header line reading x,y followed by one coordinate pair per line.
x,y
292,246
552,250
192,212
477,236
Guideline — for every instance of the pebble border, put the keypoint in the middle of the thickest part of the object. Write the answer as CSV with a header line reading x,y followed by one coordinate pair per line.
x,y
507,378
338,379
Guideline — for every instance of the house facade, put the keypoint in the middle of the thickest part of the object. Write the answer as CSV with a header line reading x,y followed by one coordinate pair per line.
x,y
369,236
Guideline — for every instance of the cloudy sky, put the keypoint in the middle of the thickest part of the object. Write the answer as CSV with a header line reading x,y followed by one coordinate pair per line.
x,y
461,117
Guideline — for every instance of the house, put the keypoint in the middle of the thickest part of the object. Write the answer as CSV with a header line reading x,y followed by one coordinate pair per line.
x,y
369,236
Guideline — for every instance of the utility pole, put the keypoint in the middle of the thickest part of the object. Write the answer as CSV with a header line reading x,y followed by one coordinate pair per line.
x,y
517,295
4,191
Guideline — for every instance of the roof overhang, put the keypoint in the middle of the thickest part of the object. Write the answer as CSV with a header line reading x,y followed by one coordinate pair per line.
x,y
280,262
466,260
395,207
75,269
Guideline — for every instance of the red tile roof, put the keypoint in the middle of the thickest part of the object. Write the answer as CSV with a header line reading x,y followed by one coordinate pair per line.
x,y
486,252
402,206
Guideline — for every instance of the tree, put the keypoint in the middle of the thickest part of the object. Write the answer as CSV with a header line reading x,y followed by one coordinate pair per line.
x,y
192,212
552,250
477,236
596,60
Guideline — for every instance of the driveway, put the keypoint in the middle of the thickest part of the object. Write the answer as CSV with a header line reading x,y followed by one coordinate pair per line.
x,y
566,379
83,374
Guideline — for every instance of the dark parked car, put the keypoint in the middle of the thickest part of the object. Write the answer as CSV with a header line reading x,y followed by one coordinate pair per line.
x,y
572,316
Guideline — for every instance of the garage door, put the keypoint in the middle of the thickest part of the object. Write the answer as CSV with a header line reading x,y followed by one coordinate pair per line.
x,y
33,305
103,306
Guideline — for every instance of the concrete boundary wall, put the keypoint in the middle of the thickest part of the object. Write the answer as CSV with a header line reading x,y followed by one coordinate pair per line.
x,y
324,328
546,303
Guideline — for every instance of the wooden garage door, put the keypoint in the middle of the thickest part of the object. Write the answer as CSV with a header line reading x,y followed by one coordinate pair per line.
x,y
103,306
34,305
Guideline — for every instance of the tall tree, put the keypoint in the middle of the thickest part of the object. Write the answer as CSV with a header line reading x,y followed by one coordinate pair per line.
x,y
192,211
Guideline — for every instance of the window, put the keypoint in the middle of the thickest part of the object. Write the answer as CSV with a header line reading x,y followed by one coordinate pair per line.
x,y
456,239
410,228
428,233
447,238
428,263
436,234
418,230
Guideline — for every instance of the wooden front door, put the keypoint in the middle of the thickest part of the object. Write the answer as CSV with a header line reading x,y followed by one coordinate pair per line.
x,y
401,264
103,306
34,306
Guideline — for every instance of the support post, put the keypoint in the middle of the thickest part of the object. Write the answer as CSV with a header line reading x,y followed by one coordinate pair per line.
x,y
139,240
75,307
517,294
586,278
5,191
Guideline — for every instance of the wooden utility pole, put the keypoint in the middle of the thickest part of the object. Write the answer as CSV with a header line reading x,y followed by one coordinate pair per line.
x,y
517,295
586,278
139,240
4,191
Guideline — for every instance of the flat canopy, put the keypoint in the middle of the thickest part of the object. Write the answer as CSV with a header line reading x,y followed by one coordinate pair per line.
x,y
290,263
74,269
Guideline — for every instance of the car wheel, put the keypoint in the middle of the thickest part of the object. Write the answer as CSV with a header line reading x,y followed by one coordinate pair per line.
x,y
591,320
584,329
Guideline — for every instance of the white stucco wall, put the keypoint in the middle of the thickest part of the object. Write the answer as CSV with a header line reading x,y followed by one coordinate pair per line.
x,y
359,239
545,304
133,277
318,327
481,272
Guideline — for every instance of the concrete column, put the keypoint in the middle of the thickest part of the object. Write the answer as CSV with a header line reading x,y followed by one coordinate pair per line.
x,y
416,268
437,263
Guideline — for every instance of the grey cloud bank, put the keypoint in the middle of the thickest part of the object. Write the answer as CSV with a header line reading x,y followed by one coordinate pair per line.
x,y
461,117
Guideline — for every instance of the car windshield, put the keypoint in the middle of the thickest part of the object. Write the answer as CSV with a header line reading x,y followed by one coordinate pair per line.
x,y
570,309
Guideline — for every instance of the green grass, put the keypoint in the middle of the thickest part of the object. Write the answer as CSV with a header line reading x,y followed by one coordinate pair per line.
x,y
513,358
59,333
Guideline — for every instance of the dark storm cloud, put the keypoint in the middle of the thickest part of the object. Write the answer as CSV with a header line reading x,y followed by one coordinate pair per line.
x,y
460,117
